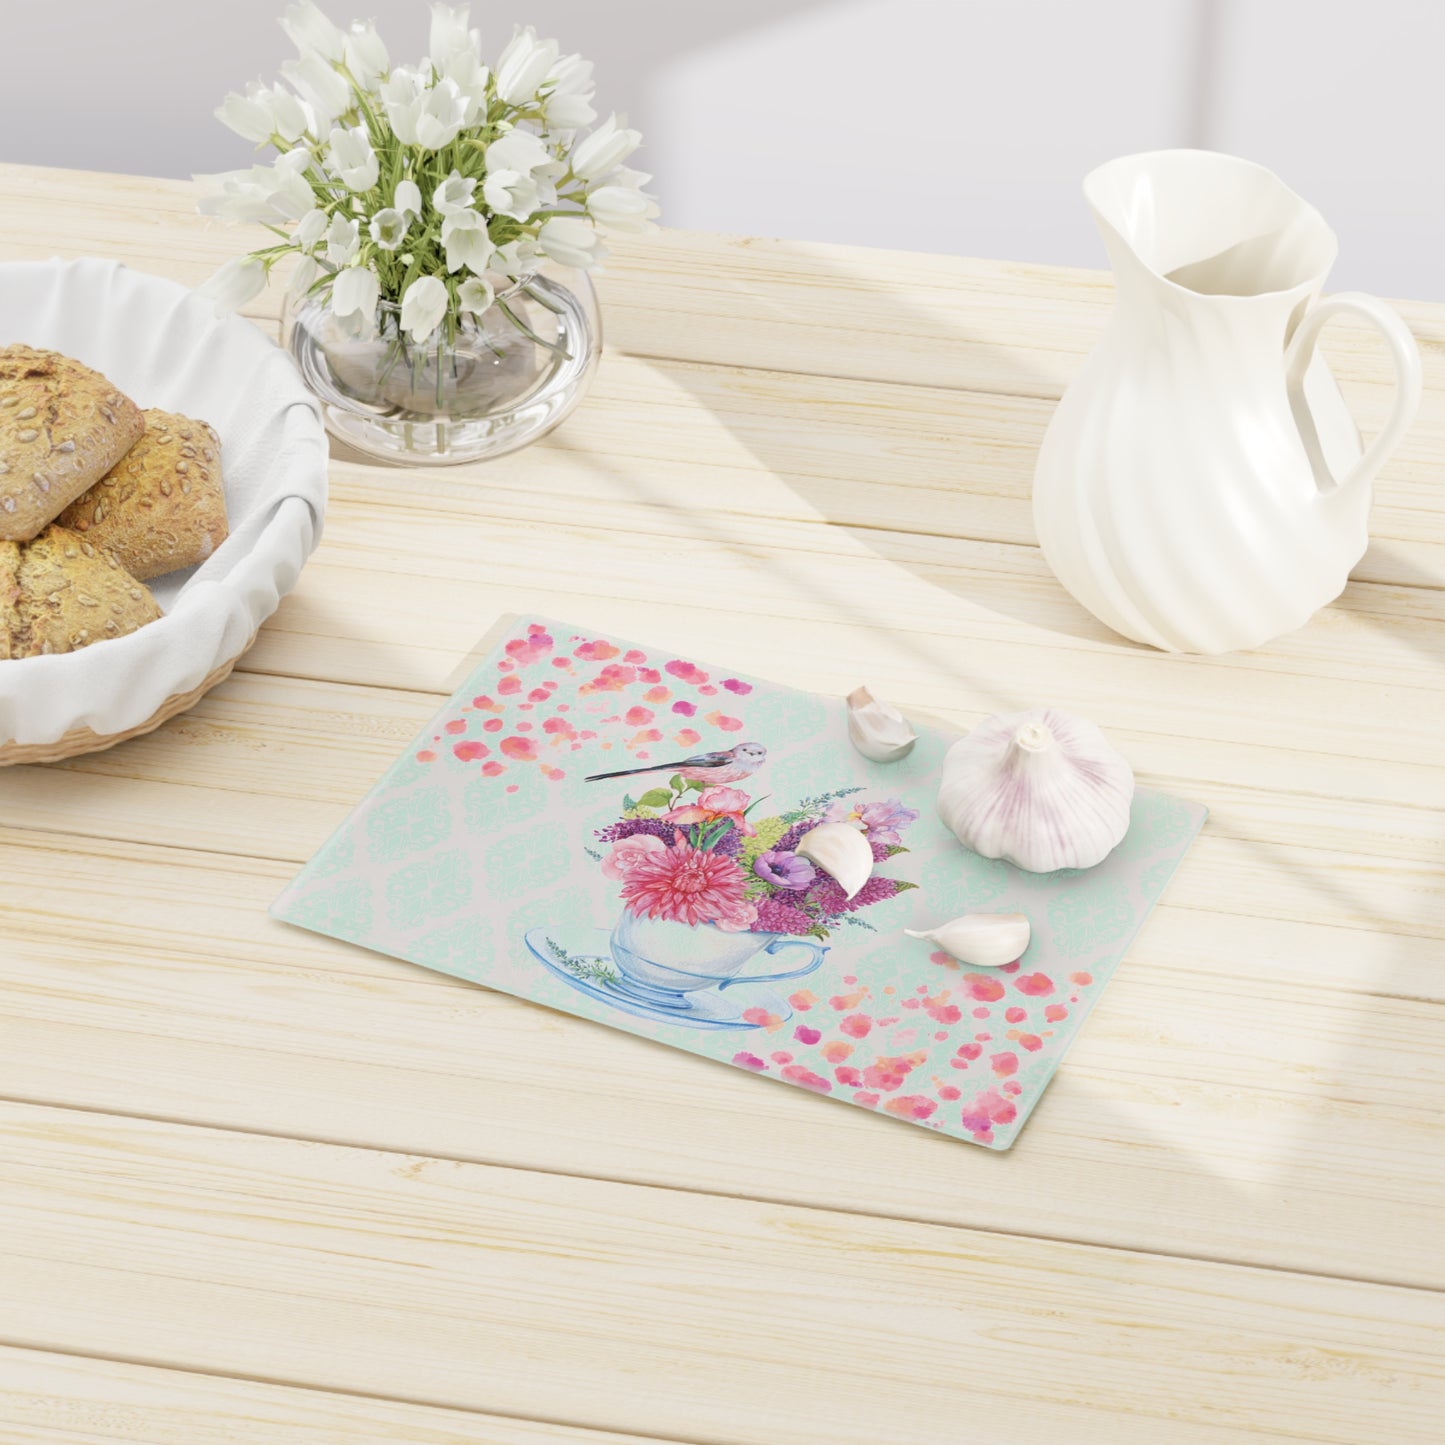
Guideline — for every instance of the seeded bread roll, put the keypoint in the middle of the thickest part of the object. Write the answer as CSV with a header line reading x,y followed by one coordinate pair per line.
x,y
162,506
59,593
62,427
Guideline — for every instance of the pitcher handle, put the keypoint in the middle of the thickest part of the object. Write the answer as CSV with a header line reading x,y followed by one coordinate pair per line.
x,y
776,946
1403,352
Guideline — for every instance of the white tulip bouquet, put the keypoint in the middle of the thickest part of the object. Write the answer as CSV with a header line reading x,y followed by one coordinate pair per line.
x,y
438,187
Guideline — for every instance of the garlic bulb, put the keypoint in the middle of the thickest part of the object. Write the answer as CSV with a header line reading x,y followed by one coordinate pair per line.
x,y
1042,789
878,730
986,940
840,851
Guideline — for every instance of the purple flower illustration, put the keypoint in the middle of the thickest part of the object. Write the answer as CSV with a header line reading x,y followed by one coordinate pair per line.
x,y
784,870
882,822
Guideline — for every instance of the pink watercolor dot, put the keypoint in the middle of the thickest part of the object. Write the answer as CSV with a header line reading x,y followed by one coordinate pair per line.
x,y
850,979
856,1025
685,671
457,725
983,1038
505,665
485,703
656,694
1036,984
1004,1063
782,1056
524,727
634,656
509,685
523,749
980,1013
806,1035
426,756
1010,967
1056,1012
685,709
868,1099
982,987
749,1061
539,694
493,725
727,724
636,716
687,737
948,1093
470,751
740,688
969,1051
1032,1042
1016,1015
940,1035
1082,979
708,690
493,769
561,662
512,787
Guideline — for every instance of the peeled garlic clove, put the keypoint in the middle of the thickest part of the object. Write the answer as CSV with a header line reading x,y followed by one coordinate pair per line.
x,y
841,852
878,730
1041,789
986,940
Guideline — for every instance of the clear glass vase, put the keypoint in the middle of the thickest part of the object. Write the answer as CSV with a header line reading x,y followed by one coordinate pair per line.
x,y
483,386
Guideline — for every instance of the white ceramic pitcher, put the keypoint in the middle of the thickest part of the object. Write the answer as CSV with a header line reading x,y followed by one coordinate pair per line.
x,y
1202,486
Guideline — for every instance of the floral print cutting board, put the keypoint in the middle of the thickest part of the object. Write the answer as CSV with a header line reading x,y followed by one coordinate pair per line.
x,y
610,830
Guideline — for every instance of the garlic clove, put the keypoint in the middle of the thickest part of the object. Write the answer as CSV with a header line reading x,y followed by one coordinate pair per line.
x,y
1043,790
878,730
986,940
841,852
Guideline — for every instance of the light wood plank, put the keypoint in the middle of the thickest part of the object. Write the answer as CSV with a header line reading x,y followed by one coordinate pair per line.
x,y
616,1306
149,981
51,1399
270,766
807,307
937,325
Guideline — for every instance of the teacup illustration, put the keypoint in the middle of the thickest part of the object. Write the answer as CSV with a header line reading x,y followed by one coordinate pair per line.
x,y
661,962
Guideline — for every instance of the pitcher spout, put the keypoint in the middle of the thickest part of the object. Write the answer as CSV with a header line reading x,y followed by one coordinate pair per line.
x,y
1210,225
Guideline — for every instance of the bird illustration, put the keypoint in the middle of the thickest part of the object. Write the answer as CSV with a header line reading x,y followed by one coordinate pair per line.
x,y
729,766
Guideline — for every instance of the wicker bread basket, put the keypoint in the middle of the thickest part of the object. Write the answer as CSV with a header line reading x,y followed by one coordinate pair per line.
x,y
163,346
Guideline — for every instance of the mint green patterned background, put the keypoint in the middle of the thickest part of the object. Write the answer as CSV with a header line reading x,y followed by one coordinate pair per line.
x,y
463,847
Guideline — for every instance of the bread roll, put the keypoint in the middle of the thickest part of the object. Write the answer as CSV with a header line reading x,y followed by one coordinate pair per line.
x,y
162,506
60,592
62,427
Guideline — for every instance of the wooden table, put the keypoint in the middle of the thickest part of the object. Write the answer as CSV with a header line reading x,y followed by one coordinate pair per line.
x,y
259,1186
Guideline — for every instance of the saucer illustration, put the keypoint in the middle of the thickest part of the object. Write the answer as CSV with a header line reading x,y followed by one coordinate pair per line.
x,y
596,975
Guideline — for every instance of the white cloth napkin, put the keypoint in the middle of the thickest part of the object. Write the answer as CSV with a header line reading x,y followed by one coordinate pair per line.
x,y
163,346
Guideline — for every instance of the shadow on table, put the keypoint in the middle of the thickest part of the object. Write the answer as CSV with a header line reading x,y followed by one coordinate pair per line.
x,y
1211,1151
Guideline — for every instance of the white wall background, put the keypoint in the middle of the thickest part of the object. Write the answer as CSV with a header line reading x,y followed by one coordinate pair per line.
x,y
942,125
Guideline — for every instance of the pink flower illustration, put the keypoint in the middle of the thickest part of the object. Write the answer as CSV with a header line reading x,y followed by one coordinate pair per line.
x,y
713,804
684,885
627,851
882,822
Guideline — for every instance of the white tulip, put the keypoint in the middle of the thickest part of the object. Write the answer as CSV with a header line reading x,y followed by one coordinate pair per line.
x,y
342,240
454,194
309,30
245,115
304,276
466,71
422,307
388,227
516,258
311,230
525,64
568,105
609,145
401,94
261,193
464,235
325,89
240,280
407,199
449,35
476,295
366,55
570,240
352,159
355,290
518,150
442,115
510,194
620,208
